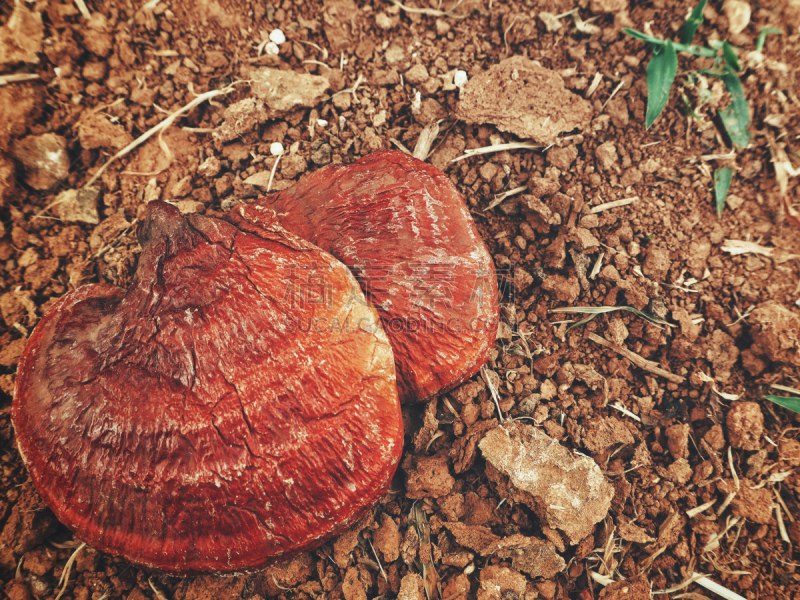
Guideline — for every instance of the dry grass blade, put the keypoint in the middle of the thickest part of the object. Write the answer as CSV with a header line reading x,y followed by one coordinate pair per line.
x,y
597,266
615,204
500,197
493,390
614,93
785,388
593,311
380,566
626,412
707,379
693,579
498,148
17,78
781,525
713,542
67,570
693,512
598,77
429,577
601,579
272,172
425,140
736,247
160,127
717,588
432,12
402,148
84,9
642,363
160,595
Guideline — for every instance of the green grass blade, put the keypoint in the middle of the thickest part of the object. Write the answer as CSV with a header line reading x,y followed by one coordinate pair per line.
x,y
644,37
730,56
762,37
722,183
692,23
661,72
793,404
580,323
736,117
658,43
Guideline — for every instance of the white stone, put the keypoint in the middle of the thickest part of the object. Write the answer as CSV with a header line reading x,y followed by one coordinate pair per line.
x,y
276,35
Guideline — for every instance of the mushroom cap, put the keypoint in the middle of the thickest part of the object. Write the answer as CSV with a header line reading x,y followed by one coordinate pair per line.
x,y
235,406
404,230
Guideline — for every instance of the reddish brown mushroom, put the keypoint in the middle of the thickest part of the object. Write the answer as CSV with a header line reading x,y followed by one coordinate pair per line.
x,y
235,405
405,232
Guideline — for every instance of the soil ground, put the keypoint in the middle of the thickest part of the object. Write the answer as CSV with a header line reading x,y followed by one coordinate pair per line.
x,y
666,442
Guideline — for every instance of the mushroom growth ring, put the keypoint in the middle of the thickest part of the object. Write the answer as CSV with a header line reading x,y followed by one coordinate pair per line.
x,y
221,413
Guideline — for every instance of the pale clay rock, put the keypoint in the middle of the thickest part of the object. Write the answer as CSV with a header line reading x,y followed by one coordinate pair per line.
x,y
570,492
21,36
520,96
738,14
283,91
78,205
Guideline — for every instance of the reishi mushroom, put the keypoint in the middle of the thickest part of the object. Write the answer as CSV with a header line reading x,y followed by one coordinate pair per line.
x,y
239,403
404,230
223,412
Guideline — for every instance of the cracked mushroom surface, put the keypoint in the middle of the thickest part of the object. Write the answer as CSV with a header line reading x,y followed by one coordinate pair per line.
x,y
405,231
236,405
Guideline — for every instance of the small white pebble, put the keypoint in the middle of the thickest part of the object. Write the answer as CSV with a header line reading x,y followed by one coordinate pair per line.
x,y
272,48
460,79
277,36
416,104
322,122
276,148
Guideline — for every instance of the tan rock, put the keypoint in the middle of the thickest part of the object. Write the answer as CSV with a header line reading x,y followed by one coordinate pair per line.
x,y
776,333
21,36
283,91
568,492
523,98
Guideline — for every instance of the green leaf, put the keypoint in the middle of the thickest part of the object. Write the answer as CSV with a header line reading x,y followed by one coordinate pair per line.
x,y
793,404
643,36
736,117
763,36
690,48
722,183
730,56
692,23
661,72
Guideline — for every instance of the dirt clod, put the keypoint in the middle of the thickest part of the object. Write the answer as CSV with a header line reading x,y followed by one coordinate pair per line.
x,y
568,492
44,159
776,333
745,425
522,97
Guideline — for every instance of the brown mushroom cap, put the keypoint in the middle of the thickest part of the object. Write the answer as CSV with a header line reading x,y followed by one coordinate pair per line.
x,y
219,414
404,230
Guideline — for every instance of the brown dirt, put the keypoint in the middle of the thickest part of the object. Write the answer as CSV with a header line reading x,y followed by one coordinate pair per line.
x,y
453,525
